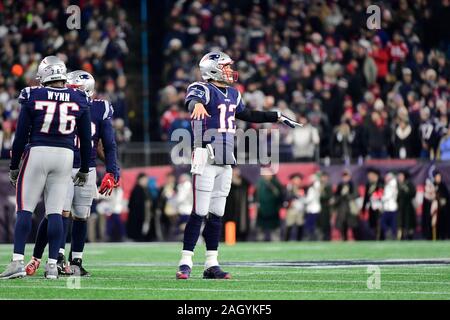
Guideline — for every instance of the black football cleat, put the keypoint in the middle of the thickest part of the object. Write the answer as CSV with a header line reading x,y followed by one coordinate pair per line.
x,y
184,272
215,273
63,267
77,268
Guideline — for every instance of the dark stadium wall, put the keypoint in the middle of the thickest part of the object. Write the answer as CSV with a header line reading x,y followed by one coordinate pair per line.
x,y
157,11
134,71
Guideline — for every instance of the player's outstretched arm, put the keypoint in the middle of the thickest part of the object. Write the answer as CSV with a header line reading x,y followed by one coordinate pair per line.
x,y
266,116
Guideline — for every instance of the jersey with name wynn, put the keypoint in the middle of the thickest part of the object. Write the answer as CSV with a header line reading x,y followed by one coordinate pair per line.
x,y
53,113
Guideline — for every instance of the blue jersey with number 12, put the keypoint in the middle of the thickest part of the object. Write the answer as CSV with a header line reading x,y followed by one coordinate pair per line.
x,y
222,104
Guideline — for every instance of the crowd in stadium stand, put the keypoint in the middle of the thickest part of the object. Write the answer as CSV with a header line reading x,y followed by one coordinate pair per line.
x,y
31,30
361,93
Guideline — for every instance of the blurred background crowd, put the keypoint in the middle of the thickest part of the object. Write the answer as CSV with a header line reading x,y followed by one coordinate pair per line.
x,y
31,30
388,207
362,93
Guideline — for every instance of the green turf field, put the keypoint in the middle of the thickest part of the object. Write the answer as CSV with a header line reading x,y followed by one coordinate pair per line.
x,y
260,271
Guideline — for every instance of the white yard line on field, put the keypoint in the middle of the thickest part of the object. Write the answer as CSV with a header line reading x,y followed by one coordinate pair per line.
x,y
296,270
153,278
153,289
330,264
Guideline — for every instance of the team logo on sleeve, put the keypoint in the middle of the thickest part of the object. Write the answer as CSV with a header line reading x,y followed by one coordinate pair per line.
x,y
196,92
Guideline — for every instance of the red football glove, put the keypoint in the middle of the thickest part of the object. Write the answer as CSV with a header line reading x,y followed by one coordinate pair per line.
x,y
108,184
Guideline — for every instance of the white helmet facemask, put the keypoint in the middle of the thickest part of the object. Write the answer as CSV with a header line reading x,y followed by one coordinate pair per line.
x,y
212,67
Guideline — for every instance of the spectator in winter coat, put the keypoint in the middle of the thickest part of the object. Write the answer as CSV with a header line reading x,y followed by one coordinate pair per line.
x,y
295,202
167,203
406,210
381,58
269,196
184,200
398,51
406,85
373,202
368,64
139,206
403,144
312,209
390,207
343,137
305,140
326,202
427,132
346,209
442,210
236,208
378,134
429,196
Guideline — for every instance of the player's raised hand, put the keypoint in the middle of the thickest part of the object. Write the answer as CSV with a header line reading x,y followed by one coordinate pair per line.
x,y
80,179
199,112
13,175
289,122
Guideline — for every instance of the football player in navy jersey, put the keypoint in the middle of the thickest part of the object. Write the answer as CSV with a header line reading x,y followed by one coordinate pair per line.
x,y
79,199
214,106
48,119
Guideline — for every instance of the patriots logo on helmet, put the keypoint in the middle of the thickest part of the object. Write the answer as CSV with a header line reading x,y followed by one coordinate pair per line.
x,y
214,57
84,76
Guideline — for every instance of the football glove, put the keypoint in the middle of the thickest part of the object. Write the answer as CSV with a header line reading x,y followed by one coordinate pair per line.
x,y
289,122
108,184
13,176
80,179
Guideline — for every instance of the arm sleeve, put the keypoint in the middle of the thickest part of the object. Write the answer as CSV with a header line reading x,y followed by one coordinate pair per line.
x,y
110,147
192,103
21,137
257,116
199,92
197,125
84,133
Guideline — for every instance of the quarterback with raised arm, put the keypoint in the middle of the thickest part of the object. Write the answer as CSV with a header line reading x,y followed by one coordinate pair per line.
x,y
214,105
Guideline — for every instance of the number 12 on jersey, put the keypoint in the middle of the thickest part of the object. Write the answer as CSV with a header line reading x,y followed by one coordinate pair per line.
x,y
226,118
